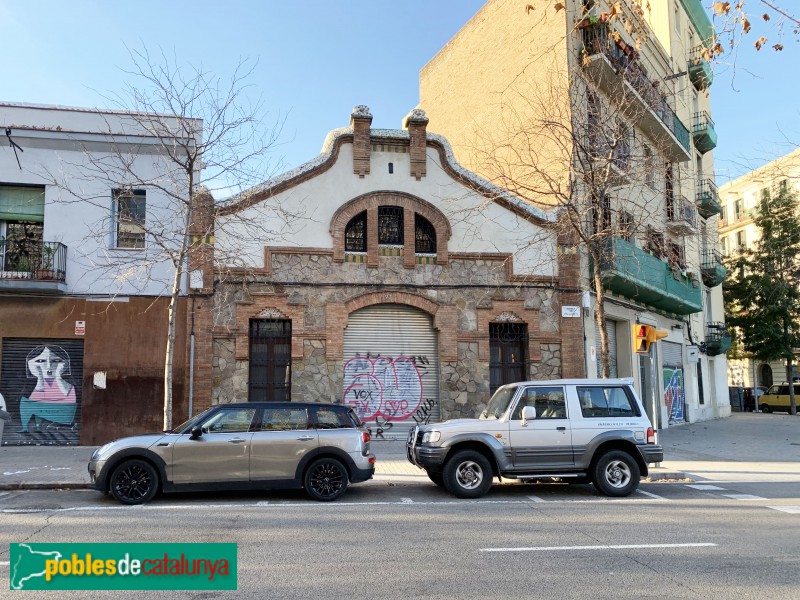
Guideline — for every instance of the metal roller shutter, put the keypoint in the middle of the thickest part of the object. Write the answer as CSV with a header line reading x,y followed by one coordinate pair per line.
x,y
391,369
674,381
41,382
611,331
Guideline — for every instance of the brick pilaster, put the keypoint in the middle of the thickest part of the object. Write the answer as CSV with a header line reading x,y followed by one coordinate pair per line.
x,y
416,122
361,119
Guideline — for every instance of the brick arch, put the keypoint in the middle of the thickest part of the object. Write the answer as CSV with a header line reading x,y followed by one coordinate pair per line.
x,y
444,319
410,204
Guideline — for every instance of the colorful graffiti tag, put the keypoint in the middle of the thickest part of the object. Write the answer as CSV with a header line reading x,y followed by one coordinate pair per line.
x,y
41,380
674,394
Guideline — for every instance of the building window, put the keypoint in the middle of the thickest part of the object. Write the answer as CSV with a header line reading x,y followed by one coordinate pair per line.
x,y
649,168
130,207
593,125
738,209
601,214
622,148
355,234
783,186
723,245
741,241
626,228
424,236
766,375
270,360
508,344
390,225
676,254
655,244
765,195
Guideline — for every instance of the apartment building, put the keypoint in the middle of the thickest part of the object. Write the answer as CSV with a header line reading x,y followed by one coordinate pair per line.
x,y
84,288
740,199
605,116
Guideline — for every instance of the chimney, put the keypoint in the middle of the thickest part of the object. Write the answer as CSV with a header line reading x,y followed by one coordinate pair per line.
x,y
361,119
416,122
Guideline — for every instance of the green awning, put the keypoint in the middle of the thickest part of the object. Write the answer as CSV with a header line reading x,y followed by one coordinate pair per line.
x,y
22,203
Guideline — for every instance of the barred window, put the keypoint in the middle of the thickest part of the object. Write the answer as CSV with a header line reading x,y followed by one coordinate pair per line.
x,y
355,234
424,236
390,225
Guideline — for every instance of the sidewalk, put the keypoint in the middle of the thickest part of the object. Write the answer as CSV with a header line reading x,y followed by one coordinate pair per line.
x,y
744,447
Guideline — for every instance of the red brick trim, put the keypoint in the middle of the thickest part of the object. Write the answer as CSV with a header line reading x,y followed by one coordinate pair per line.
x,y
370,203
529,316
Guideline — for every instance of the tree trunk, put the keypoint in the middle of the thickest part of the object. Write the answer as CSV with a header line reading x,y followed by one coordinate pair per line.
x,y
789,378
170,352
600,321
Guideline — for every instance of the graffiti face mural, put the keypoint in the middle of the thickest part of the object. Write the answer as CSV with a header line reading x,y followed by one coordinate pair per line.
x,y
39,380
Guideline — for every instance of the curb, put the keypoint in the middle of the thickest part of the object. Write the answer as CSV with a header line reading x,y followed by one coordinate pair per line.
x,y
46,486
667,475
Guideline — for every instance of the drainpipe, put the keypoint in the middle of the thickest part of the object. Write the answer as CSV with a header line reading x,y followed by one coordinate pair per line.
x,y
191,365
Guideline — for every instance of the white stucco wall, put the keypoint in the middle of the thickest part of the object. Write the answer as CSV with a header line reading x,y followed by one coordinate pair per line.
x,y
59,145
478,224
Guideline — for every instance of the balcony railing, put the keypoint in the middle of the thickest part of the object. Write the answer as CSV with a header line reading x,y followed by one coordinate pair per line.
x,y
700,73
25,260
708,203
712,270
681,216
651,108
718,339
637,275
703,131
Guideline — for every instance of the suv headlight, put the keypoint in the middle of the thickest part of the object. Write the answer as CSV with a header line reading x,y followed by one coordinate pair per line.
x,y
431,437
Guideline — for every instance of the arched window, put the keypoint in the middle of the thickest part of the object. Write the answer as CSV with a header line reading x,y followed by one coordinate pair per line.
x,y
766,375
355,234
424,236
390,225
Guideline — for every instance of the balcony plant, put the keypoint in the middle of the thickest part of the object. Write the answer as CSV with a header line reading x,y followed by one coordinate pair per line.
x,y
46,270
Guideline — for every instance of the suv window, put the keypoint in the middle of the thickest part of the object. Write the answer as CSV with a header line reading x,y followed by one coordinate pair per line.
x,y
548,402
284,419
332,418
232,420
601,402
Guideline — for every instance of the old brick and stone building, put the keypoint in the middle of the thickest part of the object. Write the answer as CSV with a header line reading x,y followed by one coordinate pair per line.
x,y
389,278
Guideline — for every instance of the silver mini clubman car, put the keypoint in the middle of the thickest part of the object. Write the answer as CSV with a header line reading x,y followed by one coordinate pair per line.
x,y
255,445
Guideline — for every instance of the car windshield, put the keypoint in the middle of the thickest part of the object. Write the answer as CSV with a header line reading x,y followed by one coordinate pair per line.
x,y
186,424
499,403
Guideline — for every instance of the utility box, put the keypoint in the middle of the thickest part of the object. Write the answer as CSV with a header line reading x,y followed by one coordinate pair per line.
x,y
4,416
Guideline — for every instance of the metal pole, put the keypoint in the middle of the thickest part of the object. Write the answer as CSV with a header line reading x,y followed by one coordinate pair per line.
x,y
191,365
656,405
755,394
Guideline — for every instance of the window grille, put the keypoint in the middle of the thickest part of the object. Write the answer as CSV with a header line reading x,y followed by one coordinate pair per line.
x,y
355,234
508,356
390,225
425,236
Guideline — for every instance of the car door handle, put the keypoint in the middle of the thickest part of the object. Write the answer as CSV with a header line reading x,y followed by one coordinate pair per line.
x,y
306,438
561,428
236,441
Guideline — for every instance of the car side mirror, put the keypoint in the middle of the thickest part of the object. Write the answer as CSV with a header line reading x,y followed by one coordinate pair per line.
x,y
196,432
528,412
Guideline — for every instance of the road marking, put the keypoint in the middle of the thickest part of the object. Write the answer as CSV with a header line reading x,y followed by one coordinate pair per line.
x,y
792,510
339,504
656,496
536,499
705,487
743,497
601,547
406,501
4,563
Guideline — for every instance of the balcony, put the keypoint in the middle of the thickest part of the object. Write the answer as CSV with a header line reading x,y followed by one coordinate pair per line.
x,y
712,270
614,68
634,274
681,216
718,339
31,266
705,136
700,73
708,203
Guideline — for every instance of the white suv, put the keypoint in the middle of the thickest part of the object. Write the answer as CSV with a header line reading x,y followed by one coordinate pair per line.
x,y
576,430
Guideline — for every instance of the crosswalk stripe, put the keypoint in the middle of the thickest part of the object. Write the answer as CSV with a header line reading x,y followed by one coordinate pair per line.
x,y
792,510
743,497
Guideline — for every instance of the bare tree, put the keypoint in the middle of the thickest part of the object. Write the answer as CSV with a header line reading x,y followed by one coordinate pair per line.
x,y
182,135
567,143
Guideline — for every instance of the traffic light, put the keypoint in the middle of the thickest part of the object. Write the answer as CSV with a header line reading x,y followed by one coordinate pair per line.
x,y
644,335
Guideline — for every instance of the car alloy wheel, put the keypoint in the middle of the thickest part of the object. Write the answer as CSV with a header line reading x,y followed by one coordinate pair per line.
x,y
616,473
326,479
468,474
134,482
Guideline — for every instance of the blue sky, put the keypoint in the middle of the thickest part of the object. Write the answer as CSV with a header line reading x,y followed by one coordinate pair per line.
x,y
316,60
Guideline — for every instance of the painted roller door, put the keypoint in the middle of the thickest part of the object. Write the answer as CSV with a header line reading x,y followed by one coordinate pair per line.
x,y
611,332
391,368
674,381
40,380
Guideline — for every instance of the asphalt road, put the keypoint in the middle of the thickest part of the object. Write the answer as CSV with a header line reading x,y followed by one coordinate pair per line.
x,y
667,541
